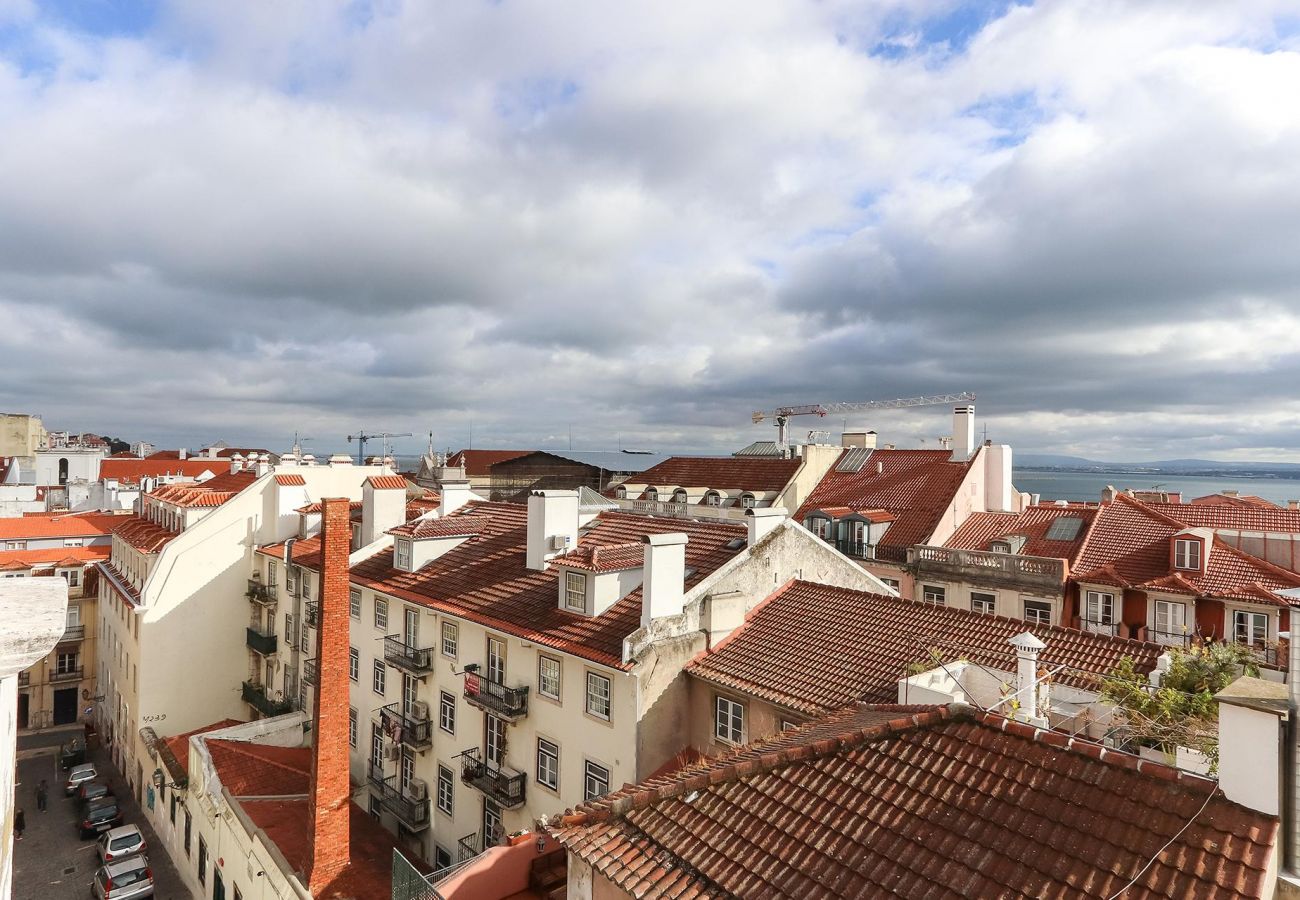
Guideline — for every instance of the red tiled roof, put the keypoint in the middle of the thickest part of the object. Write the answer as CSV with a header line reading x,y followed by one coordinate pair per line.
x,y
613,558
120,584
387,482
179,744
947,803
133,469
981,528
450,526
485,578
812,647
60,557
290,480
1231,500
1232,517
260,770
1128,546
479,463
56,525
221,453
213,492
743,473
318,506
142,534
916,486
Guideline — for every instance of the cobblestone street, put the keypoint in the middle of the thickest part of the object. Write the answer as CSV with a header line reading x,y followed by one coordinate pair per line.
x,y
51,862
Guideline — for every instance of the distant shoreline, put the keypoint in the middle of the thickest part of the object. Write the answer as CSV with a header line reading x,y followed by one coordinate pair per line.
x,y
1287,474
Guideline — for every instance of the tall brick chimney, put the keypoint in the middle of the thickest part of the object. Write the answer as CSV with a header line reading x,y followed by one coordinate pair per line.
x,y
328,803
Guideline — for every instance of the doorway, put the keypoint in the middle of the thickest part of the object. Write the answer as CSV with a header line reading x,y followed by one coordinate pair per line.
x,y
24,703
218,886
65,706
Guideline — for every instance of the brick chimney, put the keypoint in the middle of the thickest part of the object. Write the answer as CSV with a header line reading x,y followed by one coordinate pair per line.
x,y
328,802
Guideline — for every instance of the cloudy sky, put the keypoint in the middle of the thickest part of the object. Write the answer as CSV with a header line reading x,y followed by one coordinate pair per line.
x,y
640,221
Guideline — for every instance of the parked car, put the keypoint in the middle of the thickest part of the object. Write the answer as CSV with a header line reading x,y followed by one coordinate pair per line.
x,y
73,753
126,879
120,843
92,790
98,816
79,774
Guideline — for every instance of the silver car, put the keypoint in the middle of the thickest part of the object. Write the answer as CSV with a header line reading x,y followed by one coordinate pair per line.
x,y
119,843
77,775
125,879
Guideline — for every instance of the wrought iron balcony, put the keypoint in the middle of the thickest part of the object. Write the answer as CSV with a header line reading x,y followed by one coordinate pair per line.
x,y
261,640
468,847
502,784
414,733
310,613
410,808
1169,638
1266,654
256,696
856,549
309,671
259,593
495,697
73,633
416,660
1099,626
66,675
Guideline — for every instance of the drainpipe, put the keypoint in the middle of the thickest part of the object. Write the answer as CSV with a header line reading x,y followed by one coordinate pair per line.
x,y
1291,799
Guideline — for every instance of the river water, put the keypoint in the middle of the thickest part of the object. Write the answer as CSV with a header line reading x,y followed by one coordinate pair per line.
x,y
1088,485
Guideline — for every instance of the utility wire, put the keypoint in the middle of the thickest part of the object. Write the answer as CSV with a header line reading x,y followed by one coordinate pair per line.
x,y
1168,844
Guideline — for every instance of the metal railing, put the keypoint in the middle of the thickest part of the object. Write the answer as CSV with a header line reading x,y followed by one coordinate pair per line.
x,y
1266,654
1169,638
66,675
258,592
414,733
502,784
417,660
411,811
73,633
470,846
856,549
486,693
261,640
311,613
256,696
1099,626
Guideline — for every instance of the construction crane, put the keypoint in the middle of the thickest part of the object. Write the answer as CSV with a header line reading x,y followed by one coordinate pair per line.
x,y
361,437
782,414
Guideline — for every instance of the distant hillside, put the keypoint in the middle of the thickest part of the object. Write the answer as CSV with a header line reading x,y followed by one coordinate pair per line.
x,y
1172,466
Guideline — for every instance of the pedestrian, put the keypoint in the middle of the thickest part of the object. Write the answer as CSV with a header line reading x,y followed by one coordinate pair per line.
x,y
42,792
20,823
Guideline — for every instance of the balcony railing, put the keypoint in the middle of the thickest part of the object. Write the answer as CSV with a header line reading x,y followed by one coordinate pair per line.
x,y
856,549
1266,654
414,733
416,660
66,675
1040,569
309,671
310,612
502,784
468,847
256,696
410,809
1169,638
259,593
495,697
1099,626
261,640
73,633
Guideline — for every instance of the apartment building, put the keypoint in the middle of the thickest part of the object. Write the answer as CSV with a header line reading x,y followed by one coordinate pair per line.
x,y
52,690
170,661
509,660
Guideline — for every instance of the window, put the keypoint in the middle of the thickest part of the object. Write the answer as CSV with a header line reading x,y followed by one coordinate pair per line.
x,y
446,791
548,677
379,677
450,639
620,493
354,664
72,577
679,496
291,578
65,663
496,660
892,583
494,741
651,494
441,858
203,860
303,642
376,809
598,696
1250,628
447,712
73,542
1098,608
15,545
933,593
272,573
402,555
352,726
728,721
354,603
747,501
786,724
377,747
1171,622
548,764
820,527
1187,554
73,617
381,614
595,781
172,815
983,603
288,629
575,591
306,586
1038,612
712,498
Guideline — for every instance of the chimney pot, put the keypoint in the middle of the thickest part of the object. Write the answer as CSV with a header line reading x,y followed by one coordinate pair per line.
x,y
963,432
663,587
551,514
381,509
763,521
1027,649
454,494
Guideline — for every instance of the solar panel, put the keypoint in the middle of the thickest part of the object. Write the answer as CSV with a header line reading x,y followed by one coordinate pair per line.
x,y
853,459
1065,528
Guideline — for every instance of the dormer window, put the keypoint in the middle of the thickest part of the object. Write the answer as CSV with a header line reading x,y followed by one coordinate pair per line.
x,y
402,555
713,498
1187,554
747,501
820,527
679,496
651,494
575,591
1000,547
620,493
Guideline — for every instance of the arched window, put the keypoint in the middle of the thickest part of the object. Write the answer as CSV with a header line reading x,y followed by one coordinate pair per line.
x,y
747,501
620,493
651,494
679,495
63,470
713,498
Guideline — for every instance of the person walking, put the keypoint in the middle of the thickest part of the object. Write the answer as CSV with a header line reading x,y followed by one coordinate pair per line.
x,y
42,793
20,824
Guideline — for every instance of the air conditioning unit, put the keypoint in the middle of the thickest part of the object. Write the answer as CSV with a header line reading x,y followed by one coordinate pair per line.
x,y
419,710
393,753
561,541
417,789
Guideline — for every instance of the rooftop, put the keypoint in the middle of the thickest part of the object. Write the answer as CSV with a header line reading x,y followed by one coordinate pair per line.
x,y
131,469
944,803
742,473
213,492
812,647
478,463
1044,528
59,557
58,525
1232,516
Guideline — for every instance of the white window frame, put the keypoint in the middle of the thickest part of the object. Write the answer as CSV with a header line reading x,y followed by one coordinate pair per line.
x,y
450,639
1099,607
381,614
352,727
575,587
1252,622
594,776
354,664
980,599
354,602
548,764
542,660
603,698
934,594
712,498
1186,556
680,496
1167,631
748,501
446,792
1036,618
447,712
728,720
402,554
379,678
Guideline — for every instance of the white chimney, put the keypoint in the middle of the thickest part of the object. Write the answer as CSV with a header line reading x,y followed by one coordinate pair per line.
x,y
552,525
182,453
236,463
999,495
382,508
263,464
963,432
663,586
1251,711
1027,649
763,521
340,459
454,494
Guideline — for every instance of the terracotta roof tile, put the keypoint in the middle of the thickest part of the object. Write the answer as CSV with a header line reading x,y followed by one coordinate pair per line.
x,y
612,558
1034,523
213,492
260,770
178,746
1232,516
941,803
290,480
387,482
142,534
478,463
738,473
131,470
867,641
450,526
59,557
55,525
